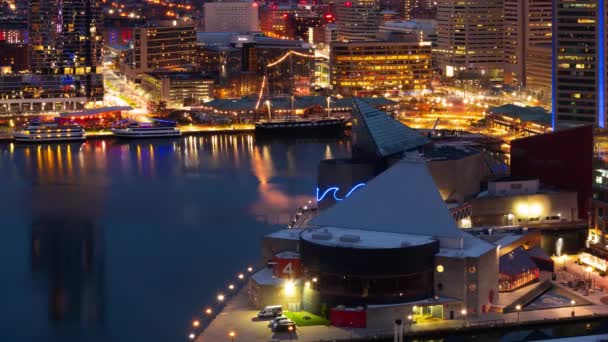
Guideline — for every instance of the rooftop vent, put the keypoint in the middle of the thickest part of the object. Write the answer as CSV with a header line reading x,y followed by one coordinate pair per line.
x,y
321,235
350,238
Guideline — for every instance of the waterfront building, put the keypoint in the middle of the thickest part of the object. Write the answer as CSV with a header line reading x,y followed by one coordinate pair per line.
x,y
527,23
357,20
517,269
178,88
426,268
380,66
579,73
526,121
66,39
160,47
231,16
519,200
469,39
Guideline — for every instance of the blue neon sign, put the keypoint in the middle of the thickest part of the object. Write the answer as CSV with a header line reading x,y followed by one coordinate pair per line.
x,y
334,190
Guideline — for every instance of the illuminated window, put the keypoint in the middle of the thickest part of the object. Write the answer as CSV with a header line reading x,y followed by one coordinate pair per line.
x,y
472,269
440,268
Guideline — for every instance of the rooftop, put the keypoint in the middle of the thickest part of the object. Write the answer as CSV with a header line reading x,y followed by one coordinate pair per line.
x,y
388,135
515,262
363,239
98,111
300,102
286,234
402,199
527,114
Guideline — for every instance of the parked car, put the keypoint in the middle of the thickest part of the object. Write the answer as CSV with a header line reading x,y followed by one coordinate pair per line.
x,y
277,319
271,311
283,326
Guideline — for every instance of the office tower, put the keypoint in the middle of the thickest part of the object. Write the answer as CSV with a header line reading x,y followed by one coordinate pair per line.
x,y
538,70
161,47
380,66
469,38
527,23
66,39
579,71
357,20
231,16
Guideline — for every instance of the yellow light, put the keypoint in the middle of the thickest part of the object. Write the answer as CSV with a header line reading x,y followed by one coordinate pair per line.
x,y
232,334
191,336
463,312
220,297
249,269
535,210
208,311
523,209
196,323
314,280
289,288
307,284
241,276
518,307
415,308
231,287
589,269
440,268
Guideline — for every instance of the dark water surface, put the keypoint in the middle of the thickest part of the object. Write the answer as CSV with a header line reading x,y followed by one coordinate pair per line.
x,y
114,241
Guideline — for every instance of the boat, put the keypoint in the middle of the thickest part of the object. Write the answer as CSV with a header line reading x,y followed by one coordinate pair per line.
x,y
142,130
44,132
297,126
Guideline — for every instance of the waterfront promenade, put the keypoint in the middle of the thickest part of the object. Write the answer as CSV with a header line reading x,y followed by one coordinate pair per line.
x,y
239,318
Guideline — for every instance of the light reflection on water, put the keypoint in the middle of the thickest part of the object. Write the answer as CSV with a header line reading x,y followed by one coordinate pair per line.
x,y
116,241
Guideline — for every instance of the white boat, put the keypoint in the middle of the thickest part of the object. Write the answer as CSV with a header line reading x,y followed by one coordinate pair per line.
x,y
39,132
142,130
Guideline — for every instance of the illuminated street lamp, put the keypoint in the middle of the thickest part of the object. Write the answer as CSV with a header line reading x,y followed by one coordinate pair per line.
x,y
208,311
220,297
518,309
409,319
572,302
232,335
231,287
290,328
196,323
191,336
249,269
463,312
241,276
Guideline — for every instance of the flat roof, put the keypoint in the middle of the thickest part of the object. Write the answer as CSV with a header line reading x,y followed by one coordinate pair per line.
x,y
286,234
472,247
362,239
300,102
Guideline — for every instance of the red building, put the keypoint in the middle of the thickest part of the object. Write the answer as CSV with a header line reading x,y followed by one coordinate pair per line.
x,y
563,159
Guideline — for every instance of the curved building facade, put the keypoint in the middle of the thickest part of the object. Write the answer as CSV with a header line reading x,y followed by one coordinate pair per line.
x,y
355,268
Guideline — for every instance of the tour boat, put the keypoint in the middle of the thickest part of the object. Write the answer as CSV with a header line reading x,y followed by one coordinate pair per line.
x,y
38,132
143,130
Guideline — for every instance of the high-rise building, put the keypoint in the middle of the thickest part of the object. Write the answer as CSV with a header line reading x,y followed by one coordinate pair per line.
x,y
527,23
66,39
538,70
161,47
579,59
381,66
231,16
469,37
357,20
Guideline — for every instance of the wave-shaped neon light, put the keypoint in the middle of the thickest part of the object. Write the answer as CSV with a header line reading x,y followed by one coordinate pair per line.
x,y
334,190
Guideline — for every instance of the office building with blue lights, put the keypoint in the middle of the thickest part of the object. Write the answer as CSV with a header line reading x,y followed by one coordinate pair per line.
x,y
579,72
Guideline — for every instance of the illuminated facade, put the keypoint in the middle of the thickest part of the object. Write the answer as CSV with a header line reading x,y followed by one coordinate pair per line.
x,y
231,16
469,37
579,73
65,38
538,71
377,67
527,23
178,88
167,47
357,20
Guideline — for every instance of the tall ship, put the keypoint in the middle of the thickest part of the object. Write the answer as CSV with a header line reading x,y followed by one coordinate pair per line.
x,y
143,130
44,132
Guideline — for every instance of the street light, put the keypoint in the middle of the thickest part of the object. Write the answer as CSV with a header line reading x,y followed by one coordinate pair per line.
x,y
220,297
463,312
191,336
208,311
196,323
290,328
232,335
572,302
518,308
249,269
241,276
409,319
